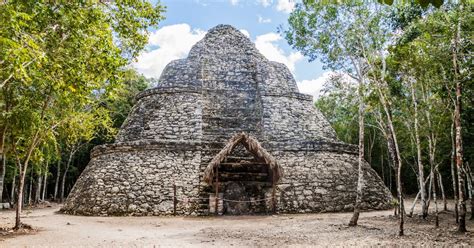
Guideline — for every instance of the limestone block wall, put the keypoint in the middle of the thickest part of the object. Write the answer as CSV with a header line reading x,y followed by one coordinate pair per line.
x,y
274,78
182,73
292,117
165,113
320,181
134,180
224,86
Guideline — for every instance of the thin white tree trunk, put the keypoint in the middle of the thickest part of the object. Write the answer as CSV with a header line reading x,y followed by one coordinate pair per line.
x,y
434,197
355,216
421,177
470,187
398,162
12,193
3,168
412,209
19,201
441,186
3,162
457,124
56,183
382,165
63,181
39,183
30,188
428,202
454,172
45,183
23,166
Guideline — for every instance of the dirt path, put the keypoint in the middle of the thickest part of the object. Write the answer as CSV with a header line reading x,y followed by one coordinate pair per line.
x,y
376,228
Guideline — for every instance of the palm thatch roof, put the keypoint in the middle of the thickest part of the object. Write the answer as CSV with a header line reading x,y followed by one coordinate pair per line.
x,y
253,146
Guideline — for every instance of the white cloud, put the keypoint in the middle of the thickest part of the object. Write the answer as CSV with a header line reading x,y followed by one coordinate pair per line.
x,y
265,3
265,44
318,86
172,42
245,32
313,87
285,5
234,2
263,20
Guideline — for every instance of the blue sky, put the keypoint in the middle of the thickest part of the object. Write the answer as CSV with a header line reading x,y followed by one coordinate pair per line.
x,y
188,20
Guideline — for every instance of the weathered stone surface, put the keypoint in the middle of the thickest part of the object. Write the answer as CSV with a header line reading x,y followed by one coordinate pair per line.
x,y
224,86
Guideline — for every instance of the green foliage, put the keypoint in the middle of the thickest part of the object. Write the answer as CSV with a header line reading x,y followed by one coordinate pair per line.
x,y
124,99
355,38
422,3
339,105
60,62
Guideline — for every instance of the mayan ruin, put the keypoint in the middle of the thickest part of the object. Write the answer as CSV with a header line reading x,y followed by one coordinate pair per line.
x,y
224,117
236,123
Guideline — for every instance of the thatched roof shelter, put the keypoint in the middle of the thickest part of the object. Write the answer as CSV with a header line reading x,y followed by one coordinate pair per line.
x,y
253,146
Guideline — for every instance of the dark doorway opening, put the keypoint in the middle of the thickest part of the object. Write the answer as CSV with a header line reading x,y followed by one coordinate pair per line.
x,y
244,176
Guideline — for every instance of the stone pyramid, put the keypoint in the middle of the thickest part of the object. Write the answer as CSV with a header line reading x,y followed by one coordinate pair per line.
x,y
224,87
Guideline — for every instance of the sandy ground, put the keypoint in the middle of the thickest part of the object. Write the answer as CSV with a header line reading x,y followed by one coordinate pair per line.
x,y
377,228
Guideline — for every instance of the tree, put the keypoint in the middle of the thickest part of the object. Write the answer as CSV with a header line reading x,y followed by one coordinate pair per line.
x,y
82,48
77,132
457,123
339,50
423,3
350,37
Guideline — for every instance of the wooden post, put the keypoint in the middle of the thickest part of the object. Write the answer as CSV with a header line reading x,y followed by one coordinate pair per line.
x,y
217,190
174,199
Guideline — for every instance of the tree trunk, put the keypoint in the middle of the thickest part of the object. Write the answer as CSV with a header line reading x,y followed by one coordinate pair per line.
x,y
414,204
433,181
429,191
471,195
3,162
355,216
12,193
398,161
45,183
382,165
39,183
412,209
21,179
454,173
19,201
371,146
441,186
3,168
421,177
390,177
391,155
470,187
56,183
457,124
30,188
63,181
